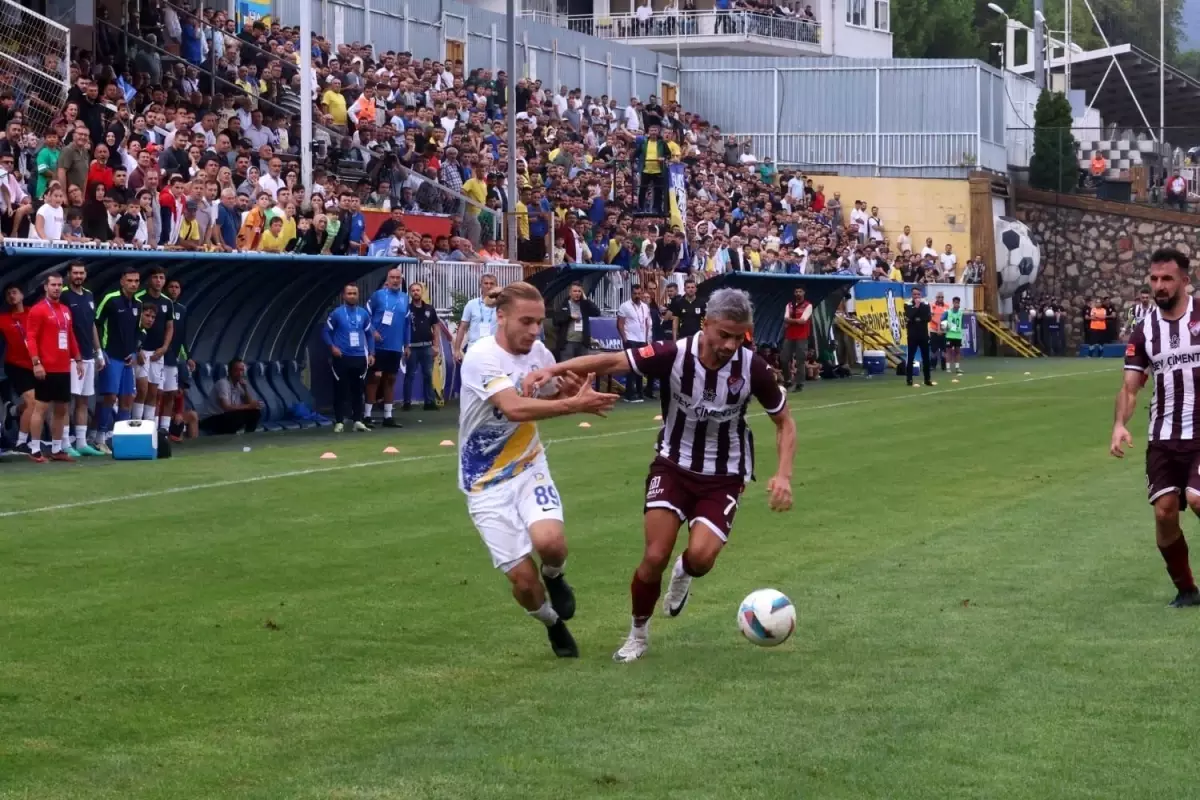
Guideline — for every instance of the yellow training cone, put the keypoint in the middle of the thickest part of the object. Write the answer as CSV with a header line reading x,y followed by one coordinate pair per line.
x,y
328,455
658,417
585,424
447,443
391,451
1028,373
988,378
954,380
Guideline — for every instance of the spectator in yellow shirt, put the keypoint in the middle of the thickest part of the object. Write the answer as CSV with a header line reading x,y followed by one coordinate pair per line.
x,y
477,190
189,227
335,102
273,240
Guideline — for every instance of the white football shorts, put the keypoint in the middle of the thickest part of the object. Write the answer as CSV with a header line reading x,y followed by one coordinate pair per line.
x,y
170,381
152,371
85,386
503,514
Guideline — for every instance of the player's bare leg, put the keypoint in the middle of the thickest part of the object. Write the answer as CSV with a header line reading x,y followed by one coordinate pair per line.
x,y
527,587
1174,549
662,528
551,545
695,561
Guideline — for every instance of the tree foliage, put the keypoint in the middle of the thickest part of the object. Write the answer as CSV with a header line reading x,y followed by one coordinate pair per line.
x,y
966,28
1053,165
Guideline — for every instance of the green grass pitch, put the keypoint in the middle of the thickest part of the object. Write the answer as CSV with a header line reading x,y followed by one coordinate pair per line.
x,y
980,615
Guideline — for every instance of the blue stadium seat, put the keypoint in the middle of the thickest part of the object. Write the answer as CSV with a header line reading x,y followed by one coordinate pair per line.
x,y
278,380
292,377
256,375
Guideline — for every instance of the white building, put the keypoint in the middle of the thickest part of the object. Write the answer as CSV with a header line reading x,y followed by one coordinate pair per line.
x,y
849,28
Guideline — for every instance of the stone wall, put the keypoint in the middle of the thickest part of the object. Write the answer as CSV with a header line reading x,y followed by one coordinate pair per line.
x,y
1094,248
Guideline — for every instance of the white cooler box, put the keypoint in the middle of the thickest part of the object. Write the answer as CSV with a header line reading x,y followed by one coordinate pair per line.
x,y
135,440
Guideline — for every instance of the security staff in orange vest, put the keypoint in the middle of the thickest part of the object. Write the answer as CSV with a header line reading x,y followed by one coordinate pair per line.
x,y
1097,328
363,109
937,338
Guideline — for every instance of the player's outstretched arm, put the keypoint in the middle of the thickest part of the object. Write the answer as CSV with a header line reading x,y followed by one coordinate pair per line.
x,y
530,409
1125,404
603,364
779,488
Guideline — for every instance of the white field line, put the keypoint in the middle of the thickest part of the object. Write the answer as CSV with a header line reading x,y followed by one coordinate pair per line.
x,y
296,473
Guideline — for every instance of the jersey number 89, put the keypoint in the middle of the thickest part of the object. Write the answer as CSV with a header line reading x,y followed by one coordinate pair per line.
x,y
546,496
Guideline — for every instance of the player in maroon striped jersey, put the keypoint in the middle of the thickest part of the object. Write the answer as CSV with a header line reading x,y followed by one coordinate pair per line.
x,y
705,451
1164,346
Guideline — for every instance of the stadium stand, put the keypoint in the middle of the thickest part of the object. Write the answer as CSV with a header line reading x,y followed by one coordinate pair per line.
x,y
408,171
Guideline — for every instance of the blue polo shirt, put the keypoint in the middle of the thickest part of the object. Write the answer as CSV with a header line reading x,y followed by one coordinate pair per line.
x,y
83,320
389,315
229,222
480,320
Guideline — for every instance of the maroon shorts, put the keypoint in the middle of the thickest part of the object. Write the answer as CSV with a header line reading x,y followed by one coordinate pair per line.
x,y
710,499
1172,467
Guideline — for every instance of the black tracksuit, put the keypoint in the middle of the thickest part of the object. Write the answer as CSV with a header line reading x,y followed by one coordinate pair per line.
x,y
917,318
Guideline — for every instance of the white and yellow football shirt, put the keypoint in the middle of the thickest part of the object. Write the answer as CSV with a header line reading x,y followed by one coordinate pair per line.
x,y
492,449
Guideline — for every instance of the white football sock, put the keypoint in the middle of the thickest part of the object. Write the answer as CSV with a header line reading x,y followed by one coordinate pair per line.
x,y
137,411
164,423
22,438
149,413
81,435
56,446
553,572
35,445
387,410
546,614
678,570
66,441
367,410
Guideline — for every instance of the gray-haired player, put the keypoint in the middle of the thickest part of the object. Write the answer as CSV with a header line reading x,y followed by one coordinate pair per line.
x,y
704,455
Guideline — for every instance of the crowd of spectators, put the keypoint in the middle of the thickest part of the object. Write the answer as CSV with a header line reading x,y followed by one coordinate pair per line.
x,y
767,18
426,137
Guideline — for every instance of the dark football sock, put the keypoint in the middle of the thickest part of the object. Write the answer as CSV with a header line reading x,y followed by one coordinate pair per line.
x,y
645,597
1176,556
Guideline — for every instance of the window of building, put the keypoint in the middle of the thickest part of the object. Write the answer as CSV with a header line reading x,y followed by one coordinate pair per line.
x,y
883,21
856,12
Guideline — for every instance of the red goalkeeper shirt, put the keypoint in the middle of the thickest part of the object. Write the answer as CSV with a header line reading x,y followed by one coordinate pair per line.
x,y
50,336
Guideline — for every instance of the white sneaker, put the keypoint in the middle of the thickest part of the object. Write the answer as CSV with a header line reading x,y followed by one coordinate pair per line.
x,y
360,427
636,645
338,427
678,590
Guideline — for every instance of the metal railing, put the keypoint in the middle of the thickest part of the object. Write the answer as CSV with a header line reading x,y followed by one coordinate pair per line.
x,y
680,24
883,150
448,281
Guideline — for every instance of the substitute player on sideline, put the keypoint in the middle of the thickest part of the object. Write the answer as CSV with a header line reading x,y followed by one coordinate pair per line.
x,y
1165,347
151,371
117,318
83,387
704,454
50,339
502,466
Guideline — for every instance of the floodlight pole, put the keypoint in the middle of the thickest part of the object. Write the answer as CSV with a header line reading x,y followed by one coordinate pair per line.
x,y
1162,70
306,99
510,119
1039,43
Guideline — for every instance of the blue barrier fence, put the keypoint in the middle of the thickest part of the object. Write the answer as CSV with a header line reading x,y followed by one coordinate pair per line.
x,y
265,309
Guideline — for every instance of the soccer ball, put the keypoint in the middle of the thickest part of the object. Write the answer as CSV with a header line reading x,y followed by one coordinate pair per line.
x,y
1017,258
767,617
945,324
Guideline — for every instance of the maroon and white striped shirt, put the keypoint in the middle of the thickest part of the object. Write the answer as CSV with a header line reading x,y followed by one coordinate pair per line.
x,y
704,411
1168,351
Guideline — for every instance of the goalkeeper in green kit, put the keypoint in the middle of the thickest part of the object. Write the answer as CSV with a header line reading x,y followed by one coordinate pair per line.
x,y
952,322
